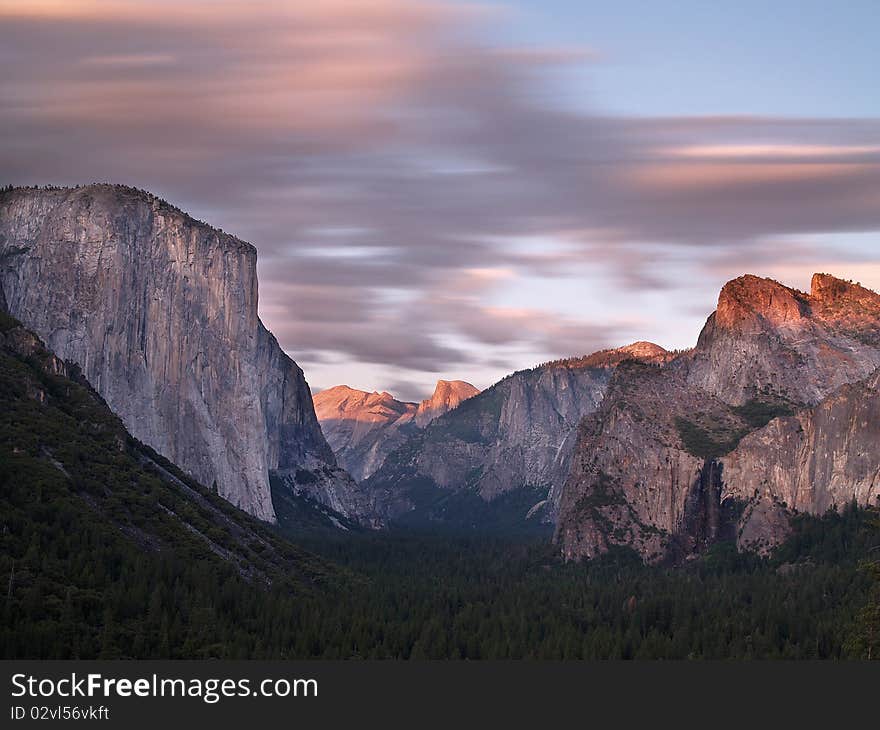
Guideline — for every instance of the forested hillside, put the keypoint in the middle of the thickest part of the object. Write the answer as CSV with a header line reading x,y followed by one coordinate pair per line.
x,y
108,550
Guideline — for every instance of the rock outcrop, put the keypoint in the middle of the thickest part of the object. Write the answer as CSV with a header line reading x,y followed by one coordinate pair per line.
x,y
160,312
642,466
512,436
448,394
766,416
816,459
362,428
766,337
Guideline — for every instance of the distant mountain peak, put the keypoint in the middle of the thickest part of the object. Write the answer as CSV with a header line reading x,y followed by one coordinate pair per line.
x,y
343,401
363,426
641,350
453,388
448,394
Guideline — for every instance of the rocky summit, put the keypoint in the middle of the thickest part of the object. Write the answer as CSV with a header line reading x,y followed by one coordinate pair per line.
x,y
766,337
160,313
773,413
448,394
362,428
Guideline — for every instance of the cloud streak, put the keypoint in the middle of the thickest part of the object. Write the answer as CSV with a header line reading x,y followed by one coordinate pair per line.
x,y
426,148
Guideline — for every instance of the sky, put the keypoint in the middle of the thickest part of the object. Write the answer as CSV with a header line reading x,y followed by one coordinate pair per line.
x,y
461,190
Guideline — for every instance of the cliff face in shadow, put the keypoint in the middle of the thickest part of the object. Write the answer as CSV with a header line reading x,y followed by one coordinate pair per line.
x,y
818,458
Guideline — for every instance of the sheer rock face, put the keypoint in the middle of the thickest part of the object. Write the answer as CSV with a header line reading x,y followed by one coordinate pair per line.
x,y
667,464
633,480
160,312
515,434
819,458
767,337
363,428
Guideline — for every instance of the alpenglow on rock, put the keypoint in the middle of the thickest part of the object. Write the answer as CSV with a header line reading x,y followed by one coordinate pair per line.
x,y
160,312
448,394
363,428
765,337
774,412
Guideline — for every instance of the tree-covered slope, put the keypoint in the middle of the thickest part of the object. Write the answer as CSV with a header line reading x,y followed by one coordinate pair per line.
x,y
107,549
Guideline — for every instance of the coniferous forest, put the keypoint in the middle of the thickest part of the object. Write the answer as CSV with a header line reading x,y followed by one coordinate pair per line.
x,y
465,598
85,594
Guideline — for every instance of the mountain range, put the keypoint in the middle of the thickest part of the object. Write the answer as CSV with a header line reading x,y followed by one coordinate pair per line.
x,y
774,412
363,428
509,445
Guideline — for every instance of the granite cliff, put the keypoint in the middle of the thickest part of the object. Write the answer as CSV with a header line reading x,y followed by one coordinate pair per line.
x,y
766,337
816,459
771,413
514,437
160,312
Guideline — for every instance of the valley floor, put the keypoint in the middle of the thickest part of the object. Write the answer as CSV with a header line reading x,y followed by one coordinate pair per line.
x,y
415,596
445,597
